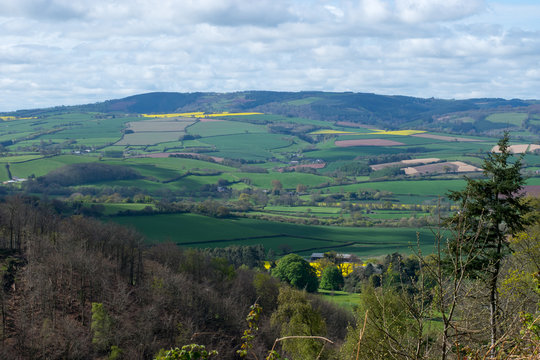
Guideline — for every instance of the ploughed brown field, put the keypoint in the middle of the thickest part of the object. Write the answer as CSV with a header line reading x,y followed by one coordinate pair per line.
x,y
441,168
404,162
312,166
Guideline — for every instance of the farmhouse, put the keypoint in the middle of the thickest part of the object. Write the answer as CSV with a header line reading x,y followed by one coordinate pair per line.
x,y
340,257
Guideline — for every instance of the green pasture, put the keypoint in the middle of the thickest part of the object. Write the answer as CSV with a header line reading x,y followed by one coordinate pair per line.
x,y
533,181
19,158
518,135
191,183
150,138
164,169
14,136
473,160
508,118
179,163
42,166
341,298
407,140
92,129
224,127
531,159
304,101
350,153
393,214
170,146
288,180
359,130
248,146
142,184
84,128
161,125
114,208
304,209
452,149
200,231
3,173
412,187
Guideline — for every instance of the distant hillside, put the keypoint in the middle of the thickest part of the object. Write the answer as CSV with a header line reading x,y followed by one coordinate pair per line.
x,y
470,116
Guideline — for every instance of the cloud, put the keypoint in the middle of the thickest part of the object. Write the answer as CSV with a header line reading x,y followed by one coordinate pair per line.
x,y
70,52
415,11
51,10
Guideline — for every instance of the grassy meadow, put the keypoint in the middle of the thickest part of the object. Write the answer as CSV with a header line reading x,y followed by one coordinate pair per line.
x,y
201,231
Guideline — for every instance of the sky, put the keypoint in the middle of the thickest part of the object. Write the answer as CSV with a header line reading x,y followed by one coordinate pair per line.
x,y
67,52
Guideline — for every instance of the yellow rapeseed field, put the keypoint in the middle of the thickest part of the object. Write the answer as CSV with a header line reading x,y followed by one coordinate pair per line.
x,y
397,132
10,118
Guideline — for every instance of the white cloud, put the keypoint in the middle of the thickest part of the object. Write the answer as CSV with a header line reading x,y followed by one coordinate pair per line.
x,y
70,52
415,11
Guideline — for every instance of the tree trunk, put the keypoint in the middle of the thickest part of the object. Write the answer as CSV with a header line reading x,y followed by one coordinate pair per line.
x,y
493,301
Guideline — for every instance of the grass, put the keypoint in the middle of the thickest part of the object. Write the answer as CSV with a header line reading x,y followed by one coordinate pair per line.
x,y
3,174
224,127
350,153
508,118
393,214
304,101
288,180
341,298
150,138
304,209
248,146
201,231
42,166
533,181
114,208
18,158
414,187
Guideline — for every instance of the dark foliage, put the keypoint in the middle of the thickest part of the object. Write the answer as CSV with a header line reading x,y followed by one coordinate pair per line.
x,y
76,288
84,173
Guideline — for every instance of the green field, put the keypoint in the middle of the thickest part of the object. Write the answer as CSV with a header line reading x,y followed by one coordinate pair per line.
x,y
508,118
405,187
248,146
42,166
342,298
114,208
224,127
304,101
201,231
149,138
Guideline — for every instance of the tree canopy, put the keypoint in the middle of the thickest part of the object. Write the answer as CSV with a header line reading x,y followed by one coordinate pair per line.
x,y
332,279
296,271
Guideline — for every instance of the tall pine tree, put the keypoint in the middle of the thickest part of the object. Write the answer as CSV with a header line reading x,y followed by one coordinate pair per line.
x,y
492,208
